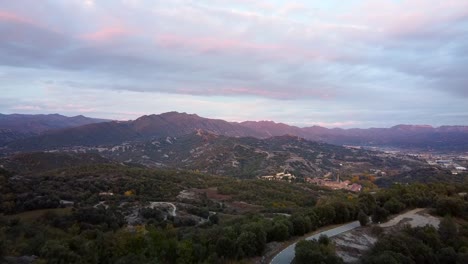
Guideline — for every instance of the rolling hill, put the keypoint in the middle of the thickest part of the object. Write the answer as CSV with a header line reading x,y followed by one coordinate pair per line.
x,y
248,157
174,124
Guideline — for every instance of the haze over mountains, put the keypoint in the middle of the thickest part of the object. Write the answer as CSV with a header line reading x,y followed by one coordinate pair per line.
x,y
40,132
18,126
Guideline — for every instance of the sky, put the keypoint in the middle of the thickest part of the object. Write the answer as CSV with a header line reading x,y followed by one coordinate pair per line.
x,y
335,63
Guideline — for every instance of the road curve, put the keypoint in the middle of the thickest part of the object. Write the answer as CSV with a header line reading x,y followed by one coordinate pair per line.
x,y
286,256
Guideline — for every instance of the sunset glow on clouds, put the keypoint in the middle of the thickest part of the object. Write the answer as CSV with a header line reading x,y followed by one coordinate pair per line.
x,y
356,63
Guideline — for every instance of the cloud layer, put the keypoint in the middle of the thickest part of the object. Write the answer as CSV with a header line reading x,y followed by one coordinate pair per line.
x,y
359,63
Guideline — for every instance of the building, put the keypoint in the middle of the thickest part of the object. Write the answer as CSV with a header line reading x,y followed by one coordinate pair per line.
x,y
335,185
282,176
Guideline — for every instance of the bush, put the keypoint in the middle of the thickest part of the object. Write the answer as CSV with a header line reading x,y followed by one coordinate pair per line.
x,y
380,215
363,218
394,206
311,251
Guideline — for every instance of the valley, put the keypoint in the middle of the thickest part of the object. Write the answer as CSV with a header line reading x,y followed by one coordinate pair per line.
x,y
205,195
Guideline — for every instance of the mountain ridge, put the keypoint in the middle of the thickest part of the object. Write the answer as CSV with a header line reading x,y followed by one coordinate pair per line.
x,y
176,124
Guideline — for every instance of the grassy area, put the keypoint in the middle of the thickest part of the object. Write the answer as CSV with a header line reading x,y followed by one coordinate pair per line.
x,y
30,216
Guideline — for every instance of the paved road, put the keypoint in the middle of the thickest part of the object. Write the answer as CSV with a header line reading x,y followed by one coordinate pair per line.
x,y
287,255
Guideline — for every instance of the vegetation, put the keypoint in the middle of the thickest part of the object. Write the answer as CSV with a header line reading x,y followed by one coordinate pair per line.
x,y
226,219
313,251
425,244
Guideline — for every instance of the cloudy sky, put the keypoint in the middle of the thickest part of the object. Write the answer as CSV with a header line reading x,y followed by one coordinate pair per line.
x,y
353,63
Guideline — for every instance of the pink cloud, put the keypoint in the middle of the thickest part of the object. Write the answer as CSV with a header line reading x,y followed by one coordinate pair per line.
x,y
238,46
210,43
107,34
282,93
407,18
12,17
26,107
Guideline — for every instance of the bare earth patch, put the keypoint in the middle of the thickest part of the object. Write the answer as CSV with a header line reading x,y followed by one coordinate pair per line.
x,y
350,246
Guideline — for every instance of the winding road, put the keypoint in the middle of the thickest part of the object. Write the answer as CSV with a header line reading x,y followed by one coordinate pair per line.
x,y
286,256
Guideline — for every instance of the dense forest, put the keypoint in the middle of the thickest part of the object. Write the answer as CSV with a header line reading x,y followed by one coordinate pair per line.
x,y
226,221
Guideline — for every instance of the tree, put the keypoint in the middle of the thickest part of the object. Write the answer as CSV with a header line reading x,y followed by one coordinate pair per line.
x,y
325,214
387,257
394,206
55,252
447,255
246,244
448,229
380,215
184,252
311,251
342,213
226,248
449,206
299,225
367,203
278,232
324,240
2,247
363,218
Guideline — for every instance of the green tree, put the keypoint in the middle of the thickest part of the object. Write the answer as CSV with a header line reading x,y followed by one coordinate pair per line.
x,y
299,225
367,203
363,218
185,252
278,232
449,206
394,206
311,251
448,230
226,248
325,214
57,253
447,255
2,246
246,244
380,215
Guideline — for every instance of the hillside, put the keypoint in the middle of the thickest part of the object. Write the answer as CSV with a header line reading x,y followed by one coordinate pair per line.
x,y
36,124
7,135
174,124
144,128
37,162
248,157
423,137
122,214
17,126
423,175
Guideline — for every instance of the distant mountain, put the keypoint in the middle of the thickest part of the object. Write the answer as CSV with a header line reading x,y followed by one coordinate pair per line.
x,y
247,156
36,124
141,129
401,136
271,129
175,124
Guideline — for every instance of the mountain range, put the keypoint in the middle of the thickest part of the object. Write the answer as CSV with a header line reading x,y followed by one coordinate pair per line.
x,y
59,132
18,126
